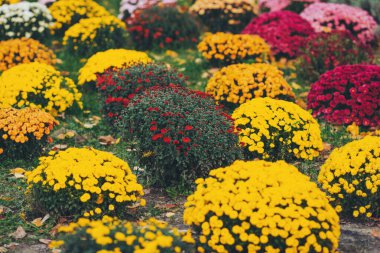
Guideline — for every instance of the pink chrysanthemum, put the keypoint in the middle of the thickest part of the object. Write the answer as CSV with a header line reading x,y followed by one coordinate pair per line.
x,y
328,17
277,5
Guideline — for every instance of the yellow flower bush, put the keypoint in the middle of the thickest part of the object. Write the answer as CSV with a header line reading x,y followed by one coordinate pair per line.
x,y
24,132
239,83
225,48
121,236
84,181
351,177
8,2
225,15
24,50
273,129
68,12
92,35
37,85
260,206
100,62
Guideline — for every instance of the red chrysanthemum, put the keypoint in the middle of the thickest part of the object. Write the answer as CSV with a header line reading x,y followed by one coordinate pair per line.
x,y
285,31
348,94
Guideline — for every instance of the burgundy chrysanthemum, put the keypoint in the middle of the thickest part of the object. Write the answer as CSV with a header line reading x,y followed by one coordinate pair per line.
x,y
348,94
285,31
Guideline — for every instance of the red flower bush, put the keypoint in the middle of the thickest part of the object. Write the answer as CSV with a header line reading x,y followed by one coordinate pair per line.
x,y
180,134
118,86
285,31
325,51
348,94
162,27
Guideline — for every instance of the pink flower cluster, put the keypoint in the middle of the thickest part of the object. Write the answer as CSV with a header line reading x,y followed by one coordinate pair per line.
x,y
130,6
348,94
277,5
328,17
285,31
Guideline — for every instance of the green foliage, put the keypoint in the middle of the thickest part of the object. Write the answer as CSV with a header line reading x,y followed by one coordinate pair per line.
x,y
325,51
162,27
180,134
118,86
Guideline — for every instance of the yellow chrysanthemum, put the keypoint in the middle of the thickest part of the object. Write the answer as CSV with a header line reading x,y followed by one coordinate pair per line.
x,y
84,180
145,236
261,206
29,127
24,50
68,12
37,85
239,83
225,48
277,130
100,62
351,177
95,34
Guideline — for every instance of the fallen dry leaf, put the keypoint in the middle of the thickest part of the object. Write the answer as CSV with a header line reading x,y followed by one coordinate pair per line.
x,y
169,214
108,140
327,146
375,232
18,172
3,250
19,233
59,147
301,104
70,134
295,86
76,120
171,53
40,221
45,241
213,70
88,125
61,136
